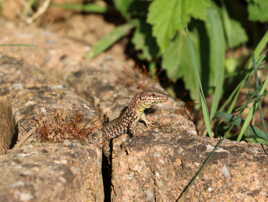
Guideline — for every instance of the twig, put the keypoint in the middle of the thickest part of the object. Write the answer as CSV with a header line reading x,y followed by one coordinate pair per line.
x,y
39,12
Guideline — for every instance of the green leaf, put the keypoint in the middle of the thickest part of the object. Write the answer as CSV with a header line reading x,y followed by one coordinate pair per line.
x,y
172,58
123,6
167,17
214,28
235,33
170,20
109,40
198,8
182,59
177,64
144,41
258,10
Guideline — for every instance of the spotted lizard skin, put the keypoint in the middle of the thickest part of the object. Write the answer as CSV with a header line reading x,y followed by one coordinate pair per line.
x,y
127,121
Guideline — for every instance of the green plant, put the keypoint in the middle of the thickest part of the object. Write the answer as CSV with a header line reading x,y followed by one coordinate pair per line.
x,y
231,114
160,29
90,7
189,40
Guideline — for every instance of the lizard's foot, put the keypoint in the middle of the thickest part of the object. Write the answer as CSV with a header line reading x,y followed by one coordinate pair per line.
x,y
125,145
145,121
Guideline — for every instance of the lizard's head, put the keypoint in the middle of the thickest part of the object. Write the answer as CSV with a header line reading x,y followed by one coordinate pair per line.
x,y
146,99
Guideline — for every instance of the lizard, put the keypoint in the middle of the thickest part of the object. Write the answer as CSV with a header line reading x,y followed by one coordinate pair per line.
x,y
128,119
124,124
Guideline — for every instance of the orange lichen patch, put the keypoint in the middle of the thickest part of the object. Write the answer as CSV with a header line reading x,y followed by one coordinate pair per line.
x,y
63,126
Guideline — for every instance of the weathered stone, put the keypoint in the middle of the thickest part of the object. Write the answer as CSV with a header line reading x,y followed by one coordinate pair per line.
x,y
48,111
51,172
155,165
159,170
7,125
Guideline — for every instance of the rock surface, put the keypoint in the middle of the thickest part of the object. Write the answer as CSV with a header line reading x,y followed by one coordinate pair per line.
x,y
51,172
155,165
7,125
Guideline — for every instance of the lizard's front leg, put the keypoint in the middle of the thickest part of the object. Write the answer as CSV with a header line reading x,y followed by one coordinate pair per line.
x,y
144,120
132,129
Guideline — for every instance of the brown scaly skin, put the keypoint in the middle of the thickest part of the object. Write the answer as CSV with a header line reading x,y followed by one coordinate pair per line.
x,y
127,121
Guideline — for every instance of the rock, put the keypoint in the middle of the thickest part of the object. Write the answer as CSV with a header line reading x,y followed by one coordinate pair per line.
x,y
155,165
51,113
51,172
7,125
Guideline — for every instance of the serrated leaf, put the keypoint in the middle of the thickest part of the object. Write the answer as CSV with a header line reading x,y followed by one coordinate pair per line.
x,y
258,10
177,64
198,8
167,17
109,40
170,20
235,33
144,41
214,28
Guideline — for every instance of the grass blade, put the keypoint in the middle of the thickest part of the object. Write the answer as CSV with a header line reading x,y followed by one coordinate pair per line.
x,y
109,40
214,28
93,8
205,112
200,169
246,123
259,49
20,45
252,111
195,69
